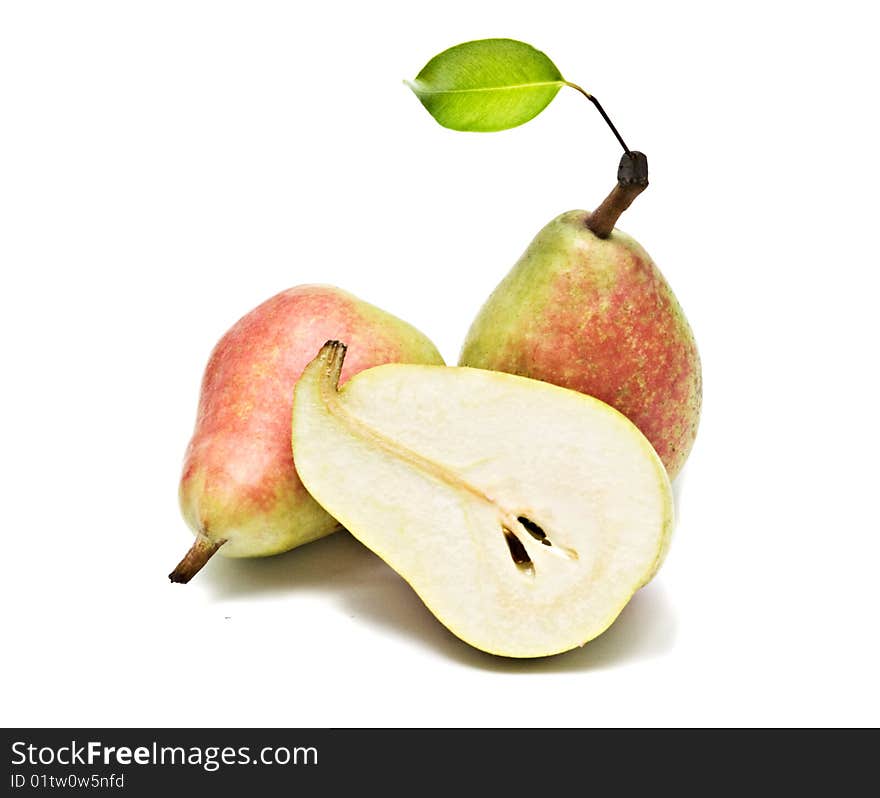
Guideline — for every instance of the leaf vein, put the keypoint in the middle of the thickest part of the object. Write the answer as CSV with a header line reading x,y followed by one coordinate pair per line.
x,y
511,87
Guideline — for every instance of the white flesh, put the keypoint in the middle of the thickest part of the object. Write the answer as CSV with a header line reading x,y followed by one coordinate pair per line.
x,y
426,465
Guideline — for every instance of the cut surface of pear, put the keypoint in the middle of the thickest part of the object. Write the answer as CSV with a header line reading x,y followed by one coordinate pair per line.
x,y
524,515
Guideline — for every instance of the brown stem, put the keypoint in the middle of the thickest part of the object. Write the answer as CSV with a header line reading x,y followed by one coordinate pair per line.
x,y
602,220
632,180
202,551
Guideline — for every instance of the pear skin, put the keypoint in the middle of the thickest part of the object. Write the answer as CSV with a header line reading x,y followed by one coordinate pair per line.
x,y
596,315
240,492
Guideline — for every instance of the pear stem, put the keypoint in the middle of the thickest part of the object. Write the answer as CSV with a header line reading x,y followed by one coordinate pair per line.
x,y
601,110
194,560
632,180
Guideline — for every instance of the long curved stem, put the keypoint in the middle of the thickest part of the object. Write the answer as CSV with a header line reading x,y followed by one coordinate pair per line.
x,y
601,110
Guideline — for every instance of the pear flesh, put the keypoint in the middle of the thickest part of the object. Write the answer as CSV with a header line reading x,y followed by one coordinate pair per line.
x,y
523,514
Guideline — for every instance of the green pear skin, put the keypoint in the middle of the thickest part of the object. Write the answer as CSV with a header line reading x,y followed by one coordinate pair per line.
x,y
595,315
240,492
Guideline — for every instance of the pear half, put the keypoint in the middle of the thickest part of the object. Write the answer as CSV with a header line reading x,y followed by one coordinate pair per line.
x,y
524,515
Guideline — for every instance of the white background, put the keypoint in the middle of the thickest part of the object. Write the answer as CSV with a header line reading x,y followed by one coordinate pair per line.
x,y
166,166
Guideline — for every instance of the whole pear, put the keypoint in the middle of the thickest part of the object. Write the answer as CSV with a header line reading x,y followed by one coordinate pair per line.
x,y
240,492
586,308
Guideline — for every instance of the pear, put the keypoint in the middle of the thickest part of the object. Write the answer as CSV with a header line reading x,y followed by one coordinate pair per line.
x,y
524,515
586,308
239,491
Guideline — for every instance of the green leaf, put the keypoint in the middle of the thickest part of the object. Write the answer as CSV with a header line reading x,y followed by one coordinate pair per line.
x,y
487,85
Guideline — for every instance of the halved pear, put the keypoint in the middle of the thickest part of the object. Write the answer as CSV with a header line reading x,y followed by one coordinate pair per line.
x,y
524,515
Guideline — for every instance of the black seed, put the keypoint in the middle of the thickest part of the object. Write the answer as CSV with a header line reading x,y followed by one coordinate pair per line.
x,y
517,551
533,529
